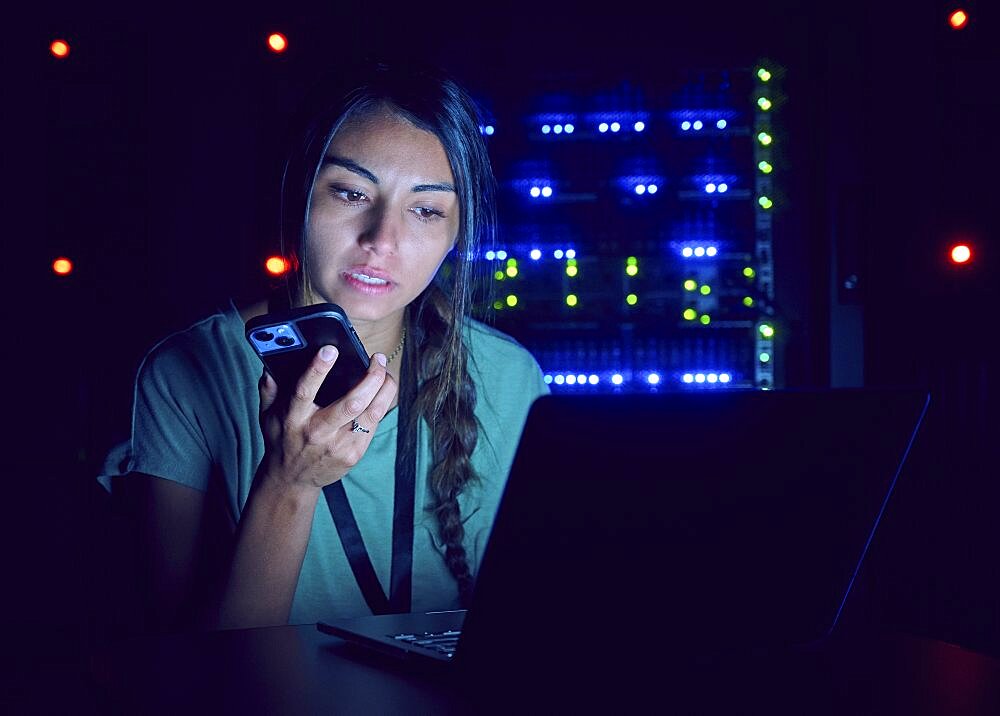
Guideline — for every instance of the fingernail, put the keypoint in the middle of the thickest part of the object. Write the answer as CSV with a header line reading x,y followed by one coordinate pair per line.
x,y
381,359
327,353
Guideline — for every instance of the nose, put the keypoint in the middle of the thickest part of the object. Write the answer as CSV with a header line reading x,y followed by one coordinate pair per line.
x,y
381,232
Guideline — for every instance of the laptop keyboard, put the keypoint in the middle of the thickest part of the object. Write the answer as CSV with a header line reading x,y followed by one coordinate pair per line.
x,y
442,642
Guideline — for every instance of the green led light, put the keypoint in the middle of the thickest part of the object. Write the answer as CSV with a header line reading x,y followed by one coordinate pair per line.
x,y
571,300
765,167
499,276
512,262
763,75
705,319
764,103
511,300
705,290
571,271
512,271
748,301
765,203
632,270
765,357
631,261
631,299
766,330
690,314
571,262
749,272
690,285
498,305
764,138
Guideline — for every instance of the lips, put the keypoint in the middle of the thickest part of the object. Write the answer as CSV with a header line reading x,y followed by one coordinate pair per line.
x,y
369,280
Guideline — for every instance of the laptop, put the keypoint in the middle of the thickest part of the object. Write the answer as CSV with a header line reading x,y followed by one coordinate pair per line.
x,y
672,523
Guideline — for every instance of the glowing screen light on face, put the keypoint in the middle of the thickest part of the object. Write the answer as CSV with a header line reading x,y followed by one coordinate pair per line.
x,y
277,42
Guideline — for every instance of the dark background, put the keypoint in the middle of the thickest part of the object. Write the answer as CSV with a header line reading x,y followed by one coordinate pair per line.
x,y
152,156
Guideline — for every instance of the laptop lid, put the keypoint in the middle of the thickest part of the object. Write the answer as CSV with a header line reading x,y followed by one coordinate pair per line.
x,y
712,519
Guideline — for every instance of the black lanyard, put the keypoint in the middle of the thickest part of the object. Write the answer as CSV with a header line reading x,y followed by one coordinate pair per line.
x,y
401,576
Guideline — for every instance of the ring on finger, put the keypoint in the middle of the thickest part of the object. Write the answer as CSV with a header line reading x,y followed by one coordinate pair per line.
x,y
356,427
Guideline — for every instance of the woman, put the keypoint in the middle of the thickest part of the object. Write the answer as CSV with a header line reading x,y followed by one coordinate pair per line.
x,y
258,511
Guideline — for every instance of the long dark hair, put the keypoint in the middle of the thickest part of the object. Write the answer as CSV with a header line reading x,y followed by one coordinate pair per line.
x,y
435,359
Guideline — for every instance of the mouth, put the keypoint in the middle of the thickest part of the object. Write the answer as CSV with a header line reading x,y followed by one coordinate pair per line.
x,y
366,279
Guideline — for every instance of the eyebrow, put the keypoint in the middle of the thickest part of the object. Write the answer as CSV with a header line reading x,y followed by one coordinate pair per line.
x,y
367,174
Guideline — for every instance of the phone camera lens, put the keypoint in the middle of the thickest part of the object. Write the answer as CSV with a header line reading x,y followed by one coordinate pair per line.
x,y
263,336
285,341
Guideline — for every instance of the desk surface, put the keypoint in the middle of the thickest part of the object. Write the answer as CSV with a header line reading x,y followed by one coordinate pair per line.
x,y
297,670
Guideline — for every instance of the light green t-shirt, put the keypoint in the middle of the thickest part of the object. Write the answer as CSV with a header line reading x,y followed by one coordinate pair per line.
x,y
195,420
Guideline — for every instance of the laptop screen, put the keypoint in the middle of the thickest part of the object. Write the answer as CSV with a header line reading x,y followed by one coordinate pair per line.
x,y
713,518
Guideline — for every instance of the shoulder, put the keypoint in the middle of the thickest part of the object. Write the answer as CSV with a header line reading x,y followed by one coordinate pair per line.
x,y
493,349
203,346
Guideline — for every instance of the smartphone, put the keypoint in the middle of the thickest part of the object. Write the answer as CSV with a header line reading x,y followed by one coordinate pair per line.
x,y
288,341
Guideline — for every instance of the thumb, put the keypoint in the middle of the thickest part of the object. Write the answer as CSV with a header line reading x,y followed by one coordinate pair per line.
x,y
268,391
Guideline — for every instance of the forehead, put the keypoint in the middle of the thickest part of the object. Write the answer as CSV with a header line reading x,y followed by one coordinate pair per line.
x,y
388,144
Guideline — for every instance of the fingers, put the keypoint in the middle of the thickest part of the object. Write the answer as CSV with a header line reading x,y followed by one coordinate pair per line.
x,y
380,404
301,405
358,399
268,391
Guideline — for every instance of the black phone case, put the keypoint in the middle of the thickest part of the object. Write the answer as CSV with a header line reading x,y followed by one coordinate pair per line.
x,y
309,328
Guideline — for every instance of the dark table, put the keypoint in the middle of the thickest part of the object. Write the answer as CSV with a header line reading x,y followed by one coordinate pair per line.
x,y
297,670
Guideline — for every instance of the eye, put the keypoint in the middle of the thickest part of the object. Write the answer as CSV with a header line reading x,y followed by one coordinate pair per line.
x,y
426,214
351,196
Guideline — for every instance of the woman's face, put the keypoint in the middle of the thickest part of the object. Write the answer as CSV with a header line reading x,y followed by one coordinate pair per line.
x,y
384,215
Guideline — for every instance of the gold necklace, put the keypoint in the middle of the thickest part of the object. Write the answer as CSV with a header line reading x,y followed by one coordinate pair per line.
x,y
398,348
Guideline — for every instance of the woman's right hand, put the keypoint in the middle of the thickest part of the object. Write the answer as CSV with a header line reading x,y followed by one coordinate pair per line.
x,y
309,447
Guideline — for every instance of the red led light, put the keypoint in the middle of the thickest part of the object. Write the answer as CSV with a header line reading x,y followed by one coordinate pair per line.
x,y
961,254
59,48
277,265
277,42
958,19
62,266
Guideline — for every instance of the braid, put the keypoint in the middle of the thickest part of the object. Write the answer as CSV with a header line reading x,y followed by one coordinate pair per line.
x,y
446,399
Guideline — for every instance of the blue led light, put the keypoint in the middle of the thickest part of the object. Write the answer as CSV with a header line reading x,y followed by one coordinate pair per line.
x,y
548,379
602,127
699,378
640,189
653,378
570,379
721,124
617,379
569,128
489,129
546,191
557,129
581,379
723,188
710,188
697,125
501,254
546,129
536,254
535,192
571,253
593,379
688,378
699,251
615,126
651,188
687,252
685,125
711,251
712,377
639,126
559,379
490,255
725,377
558,253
